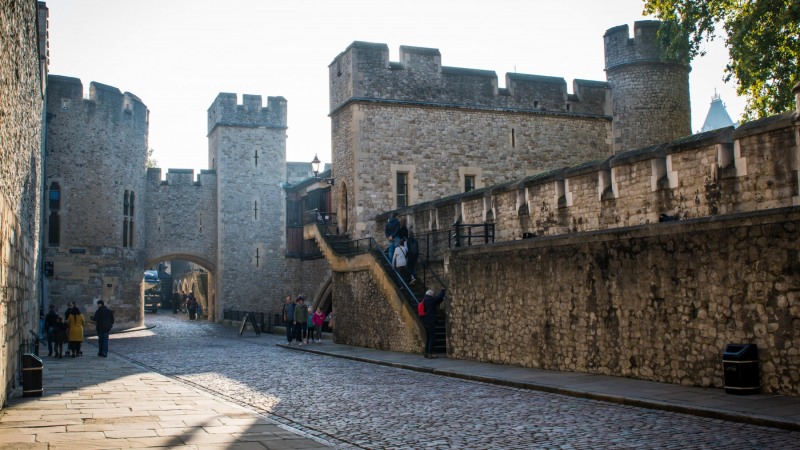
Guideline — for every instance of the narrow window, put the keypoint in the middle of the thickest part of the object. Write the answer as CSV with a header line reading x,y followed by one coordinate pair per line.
x,y
128,201
469,183
257,257
53,230
513,138
55,196
255,210
54,221
402,189
536,104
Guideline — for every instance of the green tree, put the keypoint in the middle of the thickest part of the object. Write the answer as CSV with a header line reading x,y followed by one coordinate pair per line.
x,y
762,37
151,162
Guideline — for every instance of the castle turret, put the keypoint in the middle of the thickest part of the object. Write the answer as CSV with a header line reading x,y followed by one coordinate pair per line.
x,y
650,94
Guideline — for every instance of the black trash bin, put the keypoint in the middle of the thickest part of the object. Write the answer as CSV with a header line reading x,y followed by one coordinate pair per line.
x,y
740,363
32,371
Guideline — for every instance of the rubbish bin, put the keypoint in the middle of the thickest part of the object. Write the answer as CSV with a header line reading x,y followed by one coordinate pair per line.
x,y
740,363
32,370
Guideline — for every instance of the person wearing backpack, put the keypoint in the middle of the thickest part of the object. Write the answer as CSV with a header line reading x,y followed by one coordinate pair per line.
x,y
427,312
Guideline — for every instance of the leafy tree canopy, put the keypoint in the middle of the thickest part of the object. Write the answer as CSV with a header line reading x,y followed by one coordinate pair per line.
x,y
762,37
151,162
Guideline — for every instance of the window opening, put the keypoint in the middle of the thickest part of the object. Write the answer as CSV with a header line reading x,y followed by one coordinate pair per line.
x,y
255,210
402,189
53,230
513,138
469,183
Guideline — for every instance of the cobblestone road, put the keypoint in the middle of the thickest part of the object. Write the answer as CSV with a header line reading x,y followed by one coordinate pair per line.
x,y
359,405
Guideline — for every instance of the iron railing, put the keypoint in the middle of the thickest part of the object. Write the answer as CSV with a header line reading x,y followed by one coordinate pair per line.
x,y
466,234
266,321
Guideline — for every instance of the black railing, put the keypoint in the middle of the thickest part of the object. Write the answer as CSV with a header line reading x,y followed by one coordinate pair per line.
x,y
266,321
466,234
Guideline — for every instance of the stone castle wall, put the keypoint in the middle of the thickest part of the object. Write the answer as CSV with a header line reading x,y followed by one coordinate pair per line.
x,y
21,109
181,219
657,302
106,132
364,317
718,172
437,147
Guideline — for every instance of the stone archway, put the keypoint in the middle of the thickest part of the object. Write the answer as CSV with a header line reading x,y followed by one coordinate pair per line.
x,y
324,299
209,299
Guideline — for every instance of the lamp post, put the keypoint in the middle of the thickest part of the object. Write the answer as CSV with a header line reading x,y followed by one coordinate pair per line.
x,y
315,167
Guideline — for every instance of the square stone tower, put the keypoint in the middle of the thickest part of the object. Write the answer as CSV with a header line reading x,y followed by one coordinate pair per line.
x,y
247,148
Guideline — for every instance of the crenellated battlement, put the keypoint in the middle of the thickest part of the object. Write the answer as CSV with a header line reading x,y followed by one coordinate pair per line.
x,y
66,94
182,177
226,111
363,72
643,47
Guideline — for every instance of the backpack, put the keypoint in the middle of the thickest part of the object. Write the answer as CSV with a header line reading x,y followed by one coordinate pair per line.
x,y
421,308
413,246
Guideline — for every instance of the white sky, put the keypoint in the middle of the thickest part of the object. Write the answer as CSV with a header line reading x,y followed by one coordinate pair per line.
x,y
177,55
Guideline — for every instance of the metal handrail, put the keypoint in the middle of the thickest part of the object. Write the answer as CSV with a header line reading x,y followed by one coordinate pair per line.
x,y
487,236
371,247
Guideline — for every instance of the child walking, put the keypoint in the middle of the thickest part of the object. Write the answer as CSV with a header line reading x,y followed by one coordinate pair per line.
x,y
310,324
319,320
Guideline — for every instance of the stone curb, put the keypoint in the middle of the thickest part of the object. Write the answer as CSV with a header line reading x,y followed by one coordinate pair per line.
x,y
752,419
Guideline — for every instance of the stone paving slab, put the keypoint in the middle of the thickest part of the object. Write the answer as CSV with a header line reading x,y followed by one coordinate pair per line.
x,y
101,403
767,410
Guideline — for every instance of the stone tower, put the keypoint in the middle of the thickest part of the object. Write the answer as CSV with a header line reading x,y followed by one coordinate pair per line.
x,y
95,198
650,95
247,148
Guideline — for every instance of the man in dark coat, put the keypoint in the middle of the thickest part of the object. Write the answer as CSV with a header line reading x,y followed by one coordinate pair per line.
x,y
431,303
288,319
392,231
50,321
104,320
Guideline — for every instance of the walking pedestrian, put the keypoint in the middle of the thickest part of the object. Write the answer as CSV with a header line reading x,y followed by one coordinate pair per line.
x,y
191,306
429,319
60,336
104,320
399,260
288,319
75,331
49,328
319,320
310,325
300,318
391,231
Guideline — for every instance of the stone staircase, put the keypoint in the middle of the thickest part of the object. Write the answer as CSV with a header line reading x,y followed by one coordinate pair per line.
x,y
344,246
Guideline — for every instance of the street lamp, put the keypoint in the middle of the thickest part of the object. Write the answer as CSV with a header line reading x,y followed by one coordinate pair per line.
x,y
315,167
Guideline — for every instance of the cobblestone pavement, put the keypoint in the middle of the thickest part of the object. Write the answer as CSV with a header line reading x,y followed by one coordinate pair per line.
x,y
359,405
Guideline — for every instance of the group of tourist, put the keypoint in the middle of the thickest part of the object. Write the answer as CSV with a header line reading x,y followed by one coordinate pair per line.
x,y
403,248
303,324
69,330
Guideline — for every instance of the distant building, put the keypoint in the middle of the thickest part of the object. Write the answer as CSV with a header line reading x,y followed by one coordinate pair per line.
x,y
717,116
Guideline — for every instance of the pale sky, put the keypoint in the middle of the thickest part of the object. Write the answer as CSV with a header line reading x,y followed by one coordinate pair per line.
x,y
177,55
